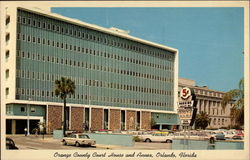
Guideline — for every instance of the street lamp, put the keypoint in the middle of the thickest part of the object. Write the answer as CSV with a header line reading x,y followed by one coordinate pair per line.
x,y
28,117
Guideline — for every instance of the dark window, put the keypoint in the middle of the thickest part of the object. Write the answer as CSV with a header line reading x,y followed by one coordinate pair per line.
x,y
22,109
48,26
18,19
7,20
23,20
33,39
44,25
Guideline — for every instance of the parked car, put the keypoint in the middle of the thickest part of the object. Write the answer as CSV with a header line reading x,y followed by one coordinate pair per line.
x,y
229,134
220,136
78,140
157,137
237,137
10,144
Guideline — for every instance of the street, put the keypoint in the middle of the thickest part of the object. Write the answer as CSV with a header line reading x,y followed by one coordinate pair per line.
x,y
33,142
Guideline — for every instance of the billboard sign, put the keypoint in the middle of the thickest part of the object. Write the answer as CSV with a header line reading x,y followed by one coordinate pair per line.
x,y
187,106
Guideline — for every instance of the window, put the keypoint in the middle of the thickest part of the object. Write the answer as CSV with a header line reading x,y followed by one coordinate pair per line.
x,y
23,20
44,25
7,37
39,24
48,26
7,20
18,19
33,109
22,109
7,54
33,39
29,21
7,91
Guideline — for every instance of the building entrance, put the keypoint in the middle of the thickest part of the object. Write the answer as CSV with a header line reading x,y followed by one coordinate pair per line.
x,y
14,126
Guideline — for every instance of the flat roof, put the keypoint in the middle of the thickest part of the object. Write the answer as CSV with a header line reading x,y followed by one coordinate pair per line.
x,y
97,28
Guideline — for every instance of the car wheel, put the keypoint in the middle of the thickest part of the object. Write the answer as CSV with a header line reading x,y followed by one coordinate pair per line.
x,y
77,144
147,140
64,142
168,141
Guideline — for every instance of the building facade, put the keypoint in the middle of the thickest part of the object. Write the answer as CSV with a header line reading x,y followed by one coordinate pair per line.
x,y
209,101
122,82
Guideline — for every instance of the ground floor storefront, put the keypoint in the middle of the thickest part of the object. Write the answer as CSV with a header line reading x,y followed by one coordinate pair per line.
x,y
84,118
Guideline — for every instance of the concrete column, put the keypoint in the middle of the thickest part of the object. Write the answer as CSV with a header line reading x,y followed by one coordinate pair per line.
x,y
201,105
13,126
209,103
198,105
160,127
205,105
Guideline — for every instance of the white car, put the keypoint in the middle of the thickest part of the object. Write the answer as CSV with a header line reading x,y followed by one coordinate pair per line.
x,y
78,140
157,137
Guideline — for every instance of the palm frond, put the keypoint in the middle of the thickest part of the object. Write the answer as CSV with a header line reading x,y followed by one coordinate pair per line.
x,y
63,87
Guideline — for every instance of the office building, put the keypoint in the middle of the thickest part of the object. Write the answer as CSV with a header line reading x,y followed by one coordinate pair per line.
x,y
122,82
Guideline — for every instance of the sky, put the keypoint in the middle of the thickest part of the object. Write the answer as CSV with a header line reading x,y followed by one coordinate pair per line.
x,y
209,40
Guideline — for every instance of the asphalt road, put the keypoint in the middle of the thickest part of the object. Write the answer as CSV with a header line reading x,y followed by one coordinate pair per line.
x,y
38,143
32,142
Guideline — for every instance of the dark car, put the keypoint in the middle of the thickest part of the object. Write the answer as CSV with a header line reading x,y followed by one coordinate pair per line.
x,y
220,136
237,137
10,144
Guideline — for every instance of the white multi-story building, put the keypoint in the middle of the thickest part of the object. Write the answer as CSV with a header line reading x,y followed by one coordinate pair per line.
x,y
121,81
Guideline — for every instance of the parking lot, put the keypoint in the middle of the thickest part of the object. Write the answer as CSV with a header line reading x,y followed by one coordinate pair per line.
x,y
33,142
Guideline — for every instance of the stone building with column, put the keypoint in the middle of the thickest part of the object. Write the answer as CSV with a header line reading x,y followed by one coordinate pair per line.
x,y
209,101
122,81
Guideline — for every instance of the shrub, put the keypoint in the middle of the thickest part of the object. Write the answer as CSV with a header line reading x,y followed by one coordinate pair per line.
x,y
136,139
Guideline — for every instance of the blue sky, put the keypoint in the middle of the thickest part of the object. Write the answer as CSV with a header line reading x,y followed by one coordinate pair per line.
x,y
209,40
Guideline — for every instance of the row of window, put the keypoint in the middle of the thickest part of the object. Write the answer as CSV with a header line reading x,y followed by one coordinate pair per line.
x,y
209,103
42,93
94,83
82,34
70,62
215,111
208,93
222,121
94,52
9,110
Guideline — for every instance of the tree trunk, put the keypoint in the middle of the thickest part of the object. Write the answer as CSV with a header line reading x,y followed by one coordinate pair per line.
x,y
64,117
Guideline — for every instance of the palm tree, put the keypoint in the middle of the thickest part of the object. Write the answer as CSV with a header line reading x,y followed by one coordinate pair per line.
x,y
236,95
202,120
64,87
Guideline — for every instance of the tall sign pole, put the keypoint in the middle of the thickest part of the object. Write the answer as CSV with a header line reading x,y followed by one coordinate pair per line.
x,y
187,108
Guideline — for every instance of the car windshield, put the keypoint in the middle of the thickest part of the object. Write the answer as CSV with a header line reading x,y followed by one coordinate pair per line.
x,y
84,136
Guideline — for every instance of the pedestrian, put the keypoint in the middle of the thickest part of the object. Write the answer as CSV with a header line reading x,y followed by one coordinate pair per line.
x,y
36,132
25,131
